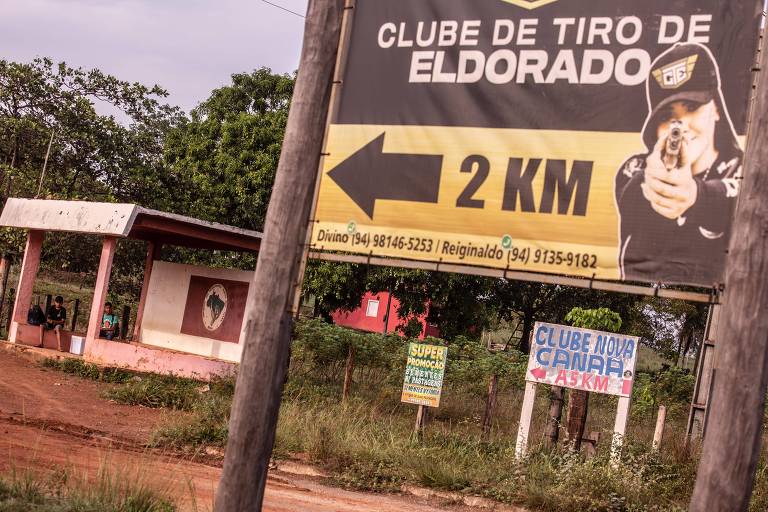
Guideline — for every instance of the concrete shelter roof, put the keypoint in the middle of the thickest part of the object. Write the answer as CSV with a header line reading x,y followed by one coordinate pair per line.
x,y
126,221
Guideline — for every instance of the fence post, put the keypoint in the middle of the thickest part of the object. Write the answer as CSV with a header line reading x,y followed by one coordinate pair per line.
x,y
75,311
658,434
552,430
348,372
490,405
5,267
124,319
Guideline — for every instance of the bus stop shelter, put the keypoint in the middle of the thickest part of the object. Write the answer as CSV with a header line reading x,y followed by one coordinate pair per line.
x,y
111,222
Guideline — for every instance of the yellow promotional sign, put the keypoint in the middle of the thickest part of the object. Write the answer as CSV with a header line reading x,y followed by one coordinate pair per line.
x,y
424,372
565,139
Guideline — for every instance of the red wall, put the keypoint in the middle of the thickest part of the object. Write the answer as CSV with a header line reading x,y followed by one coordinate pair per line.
x,y
358,319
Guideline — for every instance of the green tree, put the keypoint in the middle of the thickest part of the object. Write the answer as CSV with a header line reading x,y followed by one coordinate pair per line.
x,y
226,155
92,156
531,302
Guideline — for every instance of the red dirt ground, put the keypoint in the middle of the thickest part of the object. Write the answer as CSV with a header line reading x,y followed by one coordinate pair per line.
x,y
52,421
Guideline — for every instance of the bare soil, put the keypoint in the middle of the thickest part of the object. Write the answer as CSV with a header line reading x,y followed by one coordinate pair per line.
x,y
50,421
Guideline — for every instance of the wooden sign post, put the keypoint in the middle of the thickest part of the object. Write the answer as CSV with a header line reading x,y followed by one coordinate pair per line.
x,y
269,318
731,448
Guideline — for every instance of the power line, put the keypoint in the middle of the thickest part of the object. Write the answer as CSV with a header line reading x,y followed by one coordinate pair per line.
x,y
283,8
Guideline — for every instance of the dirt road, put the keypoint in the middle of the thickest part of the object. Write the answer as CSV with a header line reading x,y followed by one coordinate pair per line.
x,y
51,421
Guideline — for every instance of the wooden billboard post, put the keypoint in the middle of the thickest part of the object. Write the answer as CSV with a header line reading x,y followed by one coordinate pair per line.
x,y
269,318
731,447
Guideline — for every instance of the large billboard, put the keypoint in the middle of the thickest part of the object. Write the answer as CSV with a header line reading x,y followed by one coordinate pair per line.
x,y
598,138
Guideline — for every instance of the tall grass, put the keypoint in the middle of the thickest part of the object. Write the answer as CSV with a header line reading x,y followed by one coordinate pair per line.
x,y
61,492
367,441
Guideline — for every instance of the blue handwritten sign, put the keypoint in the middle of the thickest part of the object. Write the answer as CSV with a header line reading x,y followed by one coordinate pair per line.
x,y
582,359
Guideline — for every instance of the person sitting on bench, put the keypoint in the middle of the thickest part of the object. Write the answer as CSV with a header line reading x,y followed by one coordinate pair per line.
x,y
109,323
54,320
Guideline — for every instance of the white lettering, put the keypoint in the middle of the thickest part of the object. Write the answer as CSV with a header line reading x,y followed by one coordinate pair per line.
x,y
389,42
674,22
700,24
600,27
503,32
622,62
448,33
426,41
603,57
402,42
438,76
635,23
564,68
532,63
509,59
470,30
562,24
421,61
526,32
477,58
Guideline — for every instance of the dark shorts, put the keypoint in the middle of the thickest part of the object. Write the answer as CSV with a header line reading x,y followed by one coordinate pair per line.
x,y
107,335
50,327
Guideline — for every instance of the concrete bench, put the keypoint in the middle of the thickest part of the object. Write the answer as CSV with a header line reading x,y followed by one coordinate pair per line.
x,y
30,335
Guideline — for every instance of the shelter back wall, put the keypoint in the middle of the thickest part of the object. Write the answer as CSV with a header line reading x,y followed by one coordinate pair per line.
x,y
165,307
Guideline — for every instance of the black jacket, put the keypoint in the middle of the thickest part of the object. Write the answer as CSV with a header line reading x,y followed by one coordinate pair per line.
x,y
689,250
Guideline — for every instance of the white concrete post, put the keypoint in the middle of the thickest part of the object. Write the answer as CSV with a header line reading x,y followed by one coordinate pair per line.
x,y
521,448
619,429
659,432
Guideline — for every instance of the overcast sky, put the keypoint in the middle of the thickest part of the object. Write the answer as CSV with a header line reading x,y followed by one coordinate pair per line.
x,y
189,47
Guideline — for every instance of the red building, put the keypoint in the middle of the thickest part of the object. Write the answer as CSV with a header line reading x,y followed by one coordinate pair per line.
x,y
372,316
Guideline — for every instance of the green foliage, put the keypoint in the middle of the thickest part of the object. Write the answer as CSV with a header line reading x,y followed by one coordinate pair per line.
x,y
226,155
470,366
61,492
673,328
88,370
158,391
208,423
669,386
602,319
366,442
93,156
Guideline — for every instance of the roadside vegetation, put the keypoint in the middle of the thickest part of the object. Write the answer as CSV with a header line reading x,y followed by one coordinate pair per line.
x,y
366,442
61,492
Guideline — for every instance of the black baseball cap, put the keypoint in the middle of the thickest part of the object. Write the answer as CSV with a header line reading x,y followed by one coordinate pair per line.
x,y
685,72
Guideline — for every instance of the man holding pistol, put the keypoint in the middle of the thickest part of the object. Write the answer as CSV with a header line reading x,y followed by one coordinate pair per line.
x,y
676,201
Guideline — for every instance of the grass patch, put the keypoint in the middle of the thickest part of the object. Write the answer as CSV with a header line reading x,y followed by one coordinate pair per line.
x,y
62,493
367,442
88,371
208,423
158,391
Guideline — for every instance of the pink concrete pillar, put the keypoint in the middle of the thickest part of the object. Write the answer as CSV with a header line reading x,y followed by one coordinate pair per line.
x,y
101,288
153,253
27,274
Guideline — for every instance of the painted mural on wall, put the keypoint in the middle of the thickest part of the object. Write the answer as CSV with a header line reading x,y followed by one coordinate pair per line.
x,y
215,308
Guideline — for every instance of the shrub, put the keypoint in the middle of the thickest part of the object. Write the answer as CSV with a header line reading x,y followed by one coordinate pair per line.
x,y
158,391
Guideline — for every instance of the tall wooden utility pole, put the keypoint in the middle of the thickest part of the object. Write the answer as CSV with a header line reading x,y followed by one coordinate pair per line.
x,y
269,318
732,445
